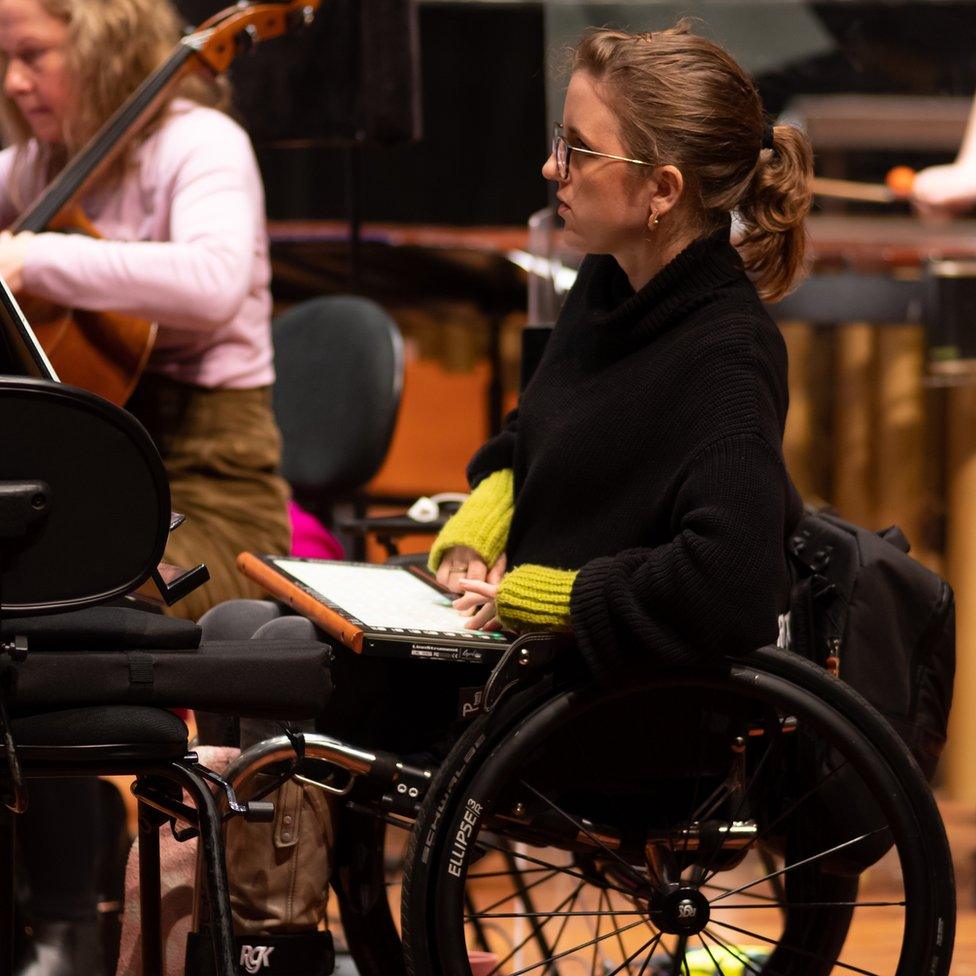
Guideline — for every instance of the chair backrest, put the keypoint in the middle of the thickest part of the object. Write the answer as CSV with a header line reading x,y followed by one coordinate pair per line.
x,y
339,365
105,527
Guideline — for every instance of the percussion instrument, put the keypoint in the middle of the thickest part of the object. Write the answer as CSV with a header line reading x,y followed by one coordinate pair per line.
x,y
896,187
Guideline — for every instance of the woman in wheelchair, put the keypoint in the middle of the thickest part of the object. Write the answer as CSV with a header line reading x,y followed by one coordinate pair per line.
x,y
639,493
671,799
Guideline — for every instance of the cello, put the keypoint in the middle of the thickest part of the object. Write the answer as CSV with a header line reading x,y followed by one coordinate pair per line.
x,y
106,352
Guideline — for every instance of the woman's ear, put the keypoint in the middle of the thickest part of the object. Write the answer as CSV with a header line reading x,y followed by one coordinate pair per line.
x,y
669,190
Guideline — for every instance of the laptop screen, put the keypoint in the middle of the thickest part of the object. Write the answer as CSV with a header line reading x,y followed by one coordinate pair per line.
x,y
20,352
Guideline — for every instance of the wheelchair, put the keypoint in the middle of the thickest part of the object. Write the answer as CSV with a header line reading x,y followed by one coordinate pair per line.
x,y
749,816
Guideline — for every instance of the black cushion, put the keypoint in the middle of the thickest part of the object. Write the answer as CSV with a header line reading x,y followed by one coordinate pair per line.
x,y
103,629
273,679
101,726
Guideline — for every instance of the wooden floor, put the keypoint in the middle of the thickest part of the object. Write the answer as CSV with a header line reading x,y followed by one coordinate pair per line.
x,y
960,821
964,960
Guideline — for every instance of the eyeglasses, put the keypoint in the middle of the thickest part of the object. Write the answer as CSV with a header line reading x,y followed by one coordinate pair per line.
x,y
562,150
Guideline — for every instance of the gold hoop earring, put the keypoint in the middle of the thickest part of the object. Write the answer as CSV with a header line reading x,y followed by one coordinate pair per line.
x,y
655,220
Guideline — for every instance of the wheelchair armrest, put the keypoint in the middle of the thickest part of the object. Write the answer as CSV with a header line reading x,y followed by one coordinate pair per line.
x,y
526,657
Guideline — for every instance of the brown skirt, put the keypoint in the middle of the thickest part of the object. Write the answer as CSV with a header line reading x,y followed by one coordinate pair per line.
x,y
221,449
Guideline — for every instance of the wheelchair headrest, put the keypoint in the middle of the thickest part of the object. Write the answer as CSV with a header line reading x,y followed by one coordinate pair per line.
x,y
107,521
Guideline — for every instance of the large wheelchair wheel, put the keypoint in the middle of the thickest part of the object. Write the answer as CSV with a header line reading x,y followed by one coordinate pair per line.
x,y
754,817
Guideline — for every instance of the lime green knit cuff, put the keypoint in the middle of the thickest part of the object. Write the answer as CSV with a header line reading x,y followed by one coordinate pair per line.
x,y
482,522
535,598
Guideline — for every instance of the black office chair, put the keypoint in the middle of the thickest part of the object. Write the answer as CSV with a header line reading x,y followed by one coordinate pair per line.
x,y
84,518
389,529
339,366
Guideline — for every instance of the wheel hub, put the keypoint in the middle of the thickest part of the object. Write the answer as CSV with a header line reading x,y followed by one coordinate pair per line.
x,y
683,911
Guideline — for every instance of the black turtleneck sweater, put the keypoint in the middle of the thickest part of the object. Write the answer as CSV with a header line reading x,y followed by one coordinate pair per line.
x,y
647,452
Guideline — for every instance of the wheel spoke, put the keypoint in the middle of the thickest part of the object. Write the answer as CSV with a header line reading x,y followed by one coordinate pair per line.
x,y
569,872
596,944
818,904
550,914
715,962
564,923
568,952
736,953
620,942
784,814
647,917
796,949
711,803
774,744
500,874
613,855
711,886
486,911
679,961
569,899
797,864
652,945
684,957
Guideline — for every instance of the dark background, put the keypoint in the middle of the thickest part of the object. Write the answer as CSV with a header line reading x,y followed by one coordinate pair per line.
x,y
445,102
466,79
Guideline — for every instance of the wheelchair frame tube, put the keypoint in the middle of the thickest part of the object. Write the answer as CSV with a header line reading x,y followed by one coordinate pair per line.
x,y
280,749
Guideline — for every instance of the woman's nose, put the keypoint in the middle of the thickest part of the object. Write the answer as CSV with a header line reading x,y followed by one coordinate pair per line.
x,y
549,169
16,80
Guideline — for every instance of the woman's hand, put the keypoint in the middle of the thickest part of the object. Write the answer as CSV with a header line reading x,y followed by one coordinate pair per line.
x,y
478,599
462,562
13,253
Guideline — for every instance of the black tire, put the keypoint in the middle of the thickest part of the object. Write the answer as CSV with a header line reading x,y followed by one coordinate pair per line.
x,y
534,752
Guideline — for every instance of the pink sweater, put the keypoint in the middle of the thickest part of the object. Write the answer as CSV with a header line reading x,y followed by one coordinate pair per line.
x,y
185,246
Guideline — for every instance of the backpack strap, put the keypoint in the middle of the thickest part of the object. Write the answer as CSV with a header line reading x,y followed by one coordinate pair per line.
x,y
811,592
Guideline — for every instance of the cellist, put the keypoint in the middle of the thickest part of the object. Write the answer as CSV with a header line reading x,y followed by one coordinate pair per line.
x,y
181,214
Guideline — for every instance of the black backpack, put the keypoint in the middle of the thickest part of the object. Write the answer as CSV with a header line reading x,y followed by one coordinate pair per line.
x,y
884,623
863,608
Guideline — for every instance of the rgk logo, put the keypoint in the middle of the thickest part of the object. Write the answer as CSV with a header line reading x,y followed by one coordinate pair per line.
x,y
254,958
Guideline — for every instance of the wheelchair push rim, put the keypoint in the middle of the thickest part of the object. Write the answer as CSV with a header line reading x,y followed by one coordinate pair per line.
x,y
513,883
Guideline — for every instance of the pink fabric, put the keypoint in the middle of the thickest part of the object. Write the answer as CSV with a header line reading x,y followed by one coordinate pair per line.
x,y
310,538
482,963
177,864
186,247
